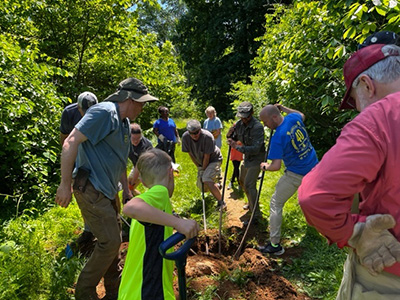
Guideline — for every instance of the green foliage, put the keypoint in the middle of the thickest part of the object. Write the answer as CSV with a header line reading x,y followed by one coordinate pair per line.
x,y
319,269
209,294
299,63
54,48
135,54
29,114
238,276
311,271
365,17
294,68
32,250
160,17
216,41
32,262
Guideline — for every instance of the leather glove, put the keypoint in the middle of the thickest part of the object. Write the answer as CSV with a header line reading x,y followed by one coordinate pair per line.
x,y
376,247
161,138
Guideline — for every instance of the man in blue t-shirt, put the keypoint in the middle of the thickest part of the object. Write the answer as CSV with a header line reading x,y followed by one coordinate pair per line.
x,y
99,146
290,144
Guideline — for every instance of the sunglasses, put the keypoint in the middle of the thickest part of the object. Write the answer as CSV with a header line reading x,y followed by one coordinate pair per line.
x,y
194,132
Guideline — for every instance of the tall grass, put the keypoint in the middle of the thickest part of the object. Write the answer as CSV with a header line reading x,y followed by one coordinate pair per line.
x,y
33,263
32,260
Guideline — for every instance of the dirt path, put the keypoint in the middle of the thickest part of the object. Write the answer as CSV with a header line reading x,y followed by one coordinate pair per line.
x,y
252,276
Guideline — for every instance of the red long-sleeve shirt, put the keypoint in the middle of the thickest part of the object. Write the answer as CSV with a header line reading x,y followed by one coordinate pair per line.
x,y
365,160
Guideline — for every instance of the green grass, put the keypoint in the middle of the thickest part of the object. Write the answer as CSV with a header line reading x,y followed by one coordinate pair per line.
x,y
32,260
33,264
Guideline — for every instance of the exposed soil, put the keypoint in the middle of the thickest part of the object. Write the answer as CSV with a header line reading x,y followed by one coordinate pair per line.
x,y
251,276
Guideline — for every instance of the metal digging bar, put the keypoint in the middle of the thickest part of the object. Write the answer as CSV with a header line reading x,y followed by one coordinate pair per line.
x,y
236,255
179,256
222,201
204,216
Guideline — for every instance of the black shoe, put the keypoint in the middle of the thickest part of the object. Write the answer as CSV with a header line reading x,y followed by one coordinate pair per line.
x,y
85,243
85,237
276,250
246,207
246,223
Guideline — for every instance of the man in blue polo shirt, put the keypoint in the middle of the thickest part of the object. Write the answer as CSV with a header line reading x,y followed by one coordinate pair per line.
x,y
95,154
289,144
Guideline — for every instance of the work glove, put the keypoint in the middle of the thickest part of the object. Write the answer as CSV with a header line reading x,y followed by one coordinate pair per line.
x,y
375,246
161,138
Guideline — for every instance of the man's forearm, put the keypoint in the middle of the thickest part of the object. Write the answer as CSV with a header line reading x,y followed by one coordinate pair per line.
x,y
124,182
193,160
206,161
68,157
290,111
69,154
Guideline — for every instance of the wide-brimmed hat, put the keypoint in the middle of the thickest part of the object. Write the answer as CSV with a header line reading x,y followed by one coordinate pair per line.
x,y
244,110
360,61
131,88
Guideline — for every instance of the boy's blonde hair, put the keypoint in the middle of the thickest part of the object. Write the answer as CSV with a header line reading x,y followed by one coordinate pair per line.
x,y
211,109
153,166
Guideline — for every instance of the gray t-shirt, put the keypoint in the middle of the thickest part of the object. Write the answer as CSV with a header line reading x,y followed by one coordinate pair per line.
x,y
105,152
204,145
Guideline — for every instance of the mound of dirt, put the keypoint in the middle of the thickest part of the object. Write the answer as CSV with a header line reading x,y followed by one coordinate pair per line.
x,y
251,276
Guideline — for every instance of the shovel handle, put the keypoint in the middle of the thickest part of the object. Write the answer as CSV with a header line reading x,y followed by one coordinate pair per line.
x,y
172,241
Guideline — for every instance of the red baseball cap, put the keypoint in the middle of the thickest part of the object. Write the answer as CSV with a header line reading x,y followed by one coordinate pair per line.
x,y
358,63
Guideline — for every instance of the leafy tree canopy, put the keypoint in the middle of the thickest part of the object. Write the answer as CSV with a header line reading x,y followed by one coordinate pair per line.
x,y
300,61
50,52
216,39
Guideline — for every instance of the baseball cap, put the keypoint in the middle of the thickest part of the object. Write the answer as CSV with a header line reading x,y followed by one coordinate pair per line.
x,y
131,88
193,125
358,63
244,110
86,100
380,37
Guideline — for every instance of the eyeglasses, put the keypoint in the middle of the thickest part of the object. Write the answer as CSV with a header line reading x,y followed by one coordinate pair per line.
x,y
194,132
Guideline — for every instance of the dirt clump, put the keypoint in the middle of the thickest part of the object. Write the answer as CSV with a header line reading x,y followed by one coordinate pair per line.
x,y
252,276
220,276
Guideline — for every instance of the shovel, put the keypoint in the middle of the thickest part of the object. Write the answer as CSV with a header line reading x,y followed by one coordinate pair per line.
x,y
236,255
179,256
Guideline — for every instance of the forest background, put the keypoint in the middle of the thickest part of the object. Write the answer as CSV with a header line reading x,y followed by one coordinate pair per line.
x,y
190,53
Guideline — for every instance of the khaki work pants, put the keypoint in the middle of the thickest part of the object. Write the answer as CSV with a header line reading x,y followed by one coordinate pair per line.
x,y
101,215
285,188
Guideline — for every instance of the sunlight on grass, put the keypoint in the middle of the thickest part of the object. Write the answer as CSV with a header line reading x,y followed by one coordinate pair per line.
x,y
32,249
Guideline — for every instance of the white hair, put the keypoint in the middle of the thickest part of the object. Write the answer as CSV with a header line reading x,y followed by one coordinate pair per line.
x,y
384,71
